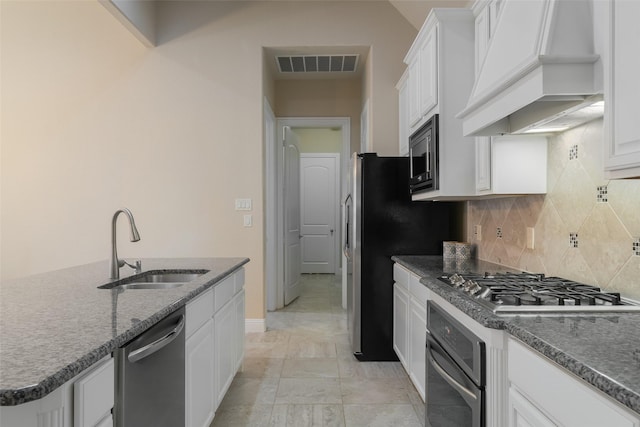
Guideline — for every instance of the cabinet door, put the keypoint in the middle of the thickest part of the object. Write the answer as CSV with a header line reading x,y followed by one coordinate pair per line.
x,y
624,145
429,72
94,395
403,117
239,329
417,344
401,324
413,83
224,349
523,413
200,379
106,422
483,163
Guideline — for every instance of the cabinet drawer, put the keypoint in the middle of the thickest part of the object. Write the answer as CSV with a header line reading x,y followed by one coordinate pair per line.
x,y
401,276
198,312
239,280
418,290
224,291
94,395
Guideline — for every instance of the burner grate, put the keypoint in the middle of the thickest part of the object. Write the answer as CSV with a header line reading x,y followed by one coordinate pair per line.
x,y
525,291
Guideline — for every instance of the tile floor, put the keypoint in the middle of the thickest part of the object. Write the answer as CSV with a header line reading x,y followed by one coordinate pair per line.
x,y
301,372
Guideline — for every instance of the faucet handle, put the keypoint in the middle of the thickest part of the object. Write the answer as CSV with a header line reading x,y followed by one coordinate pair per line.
x,y
137,267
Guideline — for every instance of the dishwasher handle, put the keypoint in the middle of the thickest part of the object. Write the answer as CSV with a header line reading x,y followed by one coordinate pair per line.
x,y
149,349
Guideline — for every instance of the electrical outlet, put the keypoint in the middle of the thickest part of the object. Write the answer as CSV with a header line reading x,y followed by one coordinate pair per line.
x,y
531,238
478,232
247,220
243,204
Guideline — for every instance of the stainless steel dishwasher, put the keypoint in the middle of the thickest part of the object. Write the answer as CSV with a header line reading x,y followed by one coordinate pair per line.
x,y
150,376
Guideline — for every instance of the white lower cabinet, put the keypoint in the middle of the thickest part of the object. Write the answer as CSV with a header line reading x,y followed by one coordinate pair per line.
x,y
418,342
83,401
200,376
93,396
410,324
543,394
224,349
523,413
240,330
401,324
214,347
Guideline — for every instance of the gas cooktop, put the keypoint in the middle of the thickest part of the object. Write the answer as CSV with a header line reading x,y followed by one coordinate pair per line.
x,y
521,293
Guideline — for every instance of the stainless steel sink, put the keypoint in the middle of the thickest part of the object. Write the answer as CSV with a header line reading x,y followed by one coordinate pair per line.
x,y
149,285
156,280
168,277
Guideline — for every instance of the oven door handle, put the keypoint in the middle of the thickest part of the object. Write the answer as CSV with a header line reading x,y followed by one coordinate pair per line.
x,y
464,392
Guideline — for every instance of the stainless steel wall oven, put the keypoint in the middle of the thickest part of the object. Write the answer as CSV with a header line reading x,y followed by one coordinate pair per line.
x,y
456,373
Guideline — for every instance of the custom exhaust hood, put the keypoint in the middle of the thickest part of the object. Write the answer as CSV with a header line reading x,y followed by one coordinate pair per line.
x,y
539,71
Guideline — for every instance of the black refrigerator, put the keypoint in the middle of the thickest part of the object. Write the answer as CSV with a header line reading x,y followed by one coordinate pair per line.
x,y
382,221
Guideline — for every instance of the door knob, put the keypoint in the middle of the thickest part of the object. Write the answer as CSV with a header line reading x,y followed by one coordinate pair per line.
x,y
331,231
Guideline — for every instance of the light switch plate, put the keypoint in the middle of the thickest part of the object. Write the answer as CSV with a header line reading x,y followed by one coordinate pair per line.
x,y
247,220
478,232
243,204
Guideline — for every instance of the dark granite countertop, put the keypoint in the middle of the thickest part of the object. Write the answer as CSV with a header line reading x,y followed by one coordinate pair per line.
x,y
55,325
601,349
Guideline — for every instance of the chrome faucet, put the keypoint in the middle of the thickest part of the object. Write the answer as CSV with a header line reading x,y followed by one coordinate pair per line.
x,y
115,262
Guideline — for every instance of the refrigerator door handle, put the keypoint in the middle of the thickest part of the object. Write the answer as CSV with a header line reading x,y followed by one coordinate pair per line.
x,y
345,245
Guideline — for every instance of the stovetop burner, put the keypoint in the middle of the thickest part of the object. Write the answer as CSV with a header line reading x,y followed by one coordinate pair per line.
x,y
535,293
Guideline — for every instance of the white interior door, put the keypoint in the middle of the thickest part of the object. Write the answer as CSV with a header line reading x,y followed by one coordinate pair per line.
x,y
319,209
292,248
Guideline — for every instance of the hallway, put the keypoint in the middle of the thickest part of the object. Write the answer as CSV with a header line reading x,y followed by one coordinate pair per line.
x,y
301,372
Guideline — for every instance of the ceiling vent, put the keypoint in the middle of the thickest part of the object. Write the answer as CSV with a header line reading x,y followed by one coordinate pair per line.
x,y
317,63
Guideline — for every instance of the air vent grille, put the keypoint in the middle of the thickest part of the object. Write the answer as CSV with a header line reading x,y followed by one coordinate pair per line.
x,y
317,63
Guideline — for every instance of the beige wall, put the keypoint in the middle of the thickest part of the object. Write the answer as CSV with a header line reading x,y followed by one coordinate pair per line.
x,y
606,230
92,121
321,98
319,140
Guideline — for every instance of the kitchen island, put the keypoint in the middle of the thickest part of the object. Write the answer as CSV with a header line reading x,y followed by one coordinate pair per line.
x,y
600,349
54,326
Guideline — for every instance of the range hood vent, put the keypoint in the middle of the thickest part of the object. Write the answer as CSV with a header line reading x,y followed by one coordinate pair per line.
x,y
317,63
539,68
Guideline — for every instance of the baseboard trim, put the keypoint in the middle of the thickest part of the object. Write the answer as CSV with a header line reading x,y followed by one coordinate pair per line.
x,y
255,325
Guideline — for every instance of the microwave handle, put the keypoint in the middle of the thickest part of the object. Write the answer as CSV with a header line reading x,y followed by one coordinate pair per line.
x,y
410,162
428,156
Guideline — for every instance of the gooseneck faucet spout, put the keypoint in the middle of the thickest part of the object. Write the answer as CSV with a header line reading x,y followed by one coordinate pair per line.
x,y
115,262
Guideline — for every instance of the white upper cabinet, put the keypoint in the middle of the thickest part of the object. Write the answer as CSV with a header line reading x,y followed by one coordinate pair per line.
x,y
622,156
440,67
429,71
422,61
403,114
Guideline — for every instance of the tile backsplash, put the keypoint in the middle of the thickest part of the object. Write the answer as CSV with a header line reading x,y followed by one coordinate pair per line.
x,y
586,228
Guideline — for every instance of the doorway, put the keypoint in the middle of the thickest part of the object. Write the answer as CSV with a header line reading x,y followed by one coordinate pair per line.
x,y
276,199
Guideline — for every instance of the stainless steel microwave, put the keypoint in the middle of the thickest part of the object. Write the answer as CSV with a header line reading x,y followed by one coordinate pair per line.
x,y
423,152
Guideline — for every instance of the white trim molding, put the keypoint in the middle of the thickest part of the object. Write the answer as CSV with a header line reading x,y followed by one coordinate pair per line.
x,y
255,325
